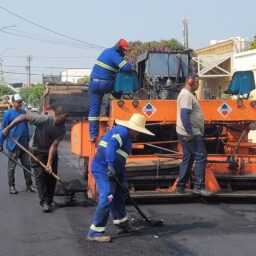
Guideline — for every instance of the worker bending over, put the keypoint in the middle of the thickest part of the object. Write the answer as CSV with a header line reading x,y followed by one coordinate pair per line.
x,y
109,161
49,131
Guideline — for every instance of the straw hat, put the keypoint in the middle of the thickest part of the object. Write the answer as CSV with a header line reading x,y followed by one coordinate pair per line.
x,y
252,97
137,123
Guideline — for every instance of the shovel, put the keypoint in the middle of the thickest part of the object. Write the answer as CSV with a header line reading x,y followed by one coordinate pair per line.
x,y
68,187
19,164
38,161
152,223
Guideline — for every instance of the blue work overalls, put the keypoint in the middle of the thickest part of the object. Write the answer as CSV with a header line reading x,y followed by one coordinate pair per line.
x,y
113,149
102,82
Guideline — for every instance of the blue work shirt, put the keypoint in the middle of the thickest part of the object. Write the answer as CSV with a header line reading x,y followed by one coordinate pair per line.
x,y
18,132
108,63
116,145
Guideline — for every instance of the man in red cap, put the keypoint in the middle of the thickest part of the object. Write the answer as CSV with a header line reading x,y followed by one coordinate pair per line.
x,y
107,65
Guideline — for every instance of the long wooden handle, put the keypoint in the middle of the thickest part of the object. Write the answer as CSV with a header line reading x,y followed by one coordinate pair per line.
x,y
19,164
34,157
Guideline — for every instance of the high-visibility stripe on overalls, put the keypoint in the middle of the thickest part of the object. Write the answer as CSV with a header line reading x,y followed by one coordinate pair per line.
x,y
102,82
111,197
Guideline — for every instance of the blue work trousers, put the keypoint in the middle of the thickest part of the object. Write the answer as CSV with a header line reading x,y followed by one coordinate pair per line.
x,y
111,198
194,152
96,94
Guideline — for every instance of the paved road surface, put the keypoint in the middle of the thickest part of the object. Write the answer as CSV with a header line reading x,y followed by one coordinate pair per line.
x,y
190,229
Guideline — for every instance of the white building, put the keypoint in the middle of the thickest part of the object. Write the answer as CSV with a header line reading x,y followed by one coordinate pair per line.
x,y
74,74
217,63
245,61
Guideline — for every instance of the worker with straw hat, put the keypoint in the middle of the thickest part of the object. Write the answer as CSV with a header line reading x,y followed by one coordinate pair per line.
x,y
109,161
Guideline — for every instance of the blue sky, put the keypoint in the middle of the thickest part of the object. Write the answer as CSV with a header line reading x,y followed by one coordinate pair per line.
x,y
102,23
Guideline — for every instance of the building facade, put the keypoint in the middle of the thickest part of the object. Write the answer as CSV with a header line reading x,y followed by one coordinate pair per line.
x,y
72,75
217,63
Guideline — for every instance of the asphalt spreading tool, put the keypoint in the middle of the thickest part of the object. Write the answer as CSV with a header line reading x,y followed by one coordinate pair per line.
x,y
19,164
69,189
150,222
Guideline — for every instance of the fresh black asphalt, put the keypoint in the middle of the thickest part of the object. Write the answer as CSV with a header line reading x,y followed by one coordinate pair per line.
x,y
190,228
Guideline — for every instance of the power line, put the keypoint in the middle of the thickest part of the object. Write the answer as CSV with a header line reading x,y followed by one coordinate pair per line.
x,y
20,73
53,57
53,31
50,41
17,66
33,74
35,67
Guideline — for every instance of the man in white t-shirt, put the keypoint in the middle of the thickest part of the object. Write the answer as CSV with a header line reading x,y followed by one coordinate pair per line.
x,y
190,130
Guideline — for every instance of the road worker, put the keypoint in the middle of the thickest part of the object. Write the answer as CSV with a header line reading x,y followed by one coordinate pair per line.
x,y
108,63
21,134
109,161
48,133
190,130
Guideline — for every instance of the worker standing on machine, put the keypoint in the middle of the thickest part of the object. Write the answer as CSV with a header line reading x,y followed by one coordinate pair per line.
x,y
190,130
108,63
109,161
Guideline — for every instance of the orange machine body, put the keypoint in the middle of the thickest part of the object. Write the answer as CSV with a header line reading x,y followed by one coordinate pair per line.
x,y
154,163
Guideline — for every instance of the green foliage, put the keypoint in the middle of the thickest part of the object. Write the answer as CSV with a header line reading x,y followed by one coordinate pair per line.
x,y
253,44
33,94
84,80
4,90
138,48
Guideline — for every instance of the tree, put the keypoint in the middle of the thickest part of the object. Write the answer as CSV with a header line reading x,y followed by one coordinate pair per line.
x,y
33,94
84,80
4,90
253,44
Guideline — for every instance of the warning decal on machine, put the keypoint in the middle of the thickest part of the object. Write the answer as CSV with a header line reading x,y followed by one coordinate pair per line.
x,y
149,110
224,109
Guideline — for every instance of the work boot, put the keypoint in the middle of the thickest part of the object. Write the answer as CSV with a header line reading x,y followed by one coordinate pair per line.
x,y
52,205
202,192
46,207
101,239
12,190
182,190
31,188
126,230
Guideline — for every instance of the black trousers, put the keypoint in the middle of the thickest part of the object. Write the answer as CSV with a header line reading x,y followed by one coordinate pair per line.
x,y
45,182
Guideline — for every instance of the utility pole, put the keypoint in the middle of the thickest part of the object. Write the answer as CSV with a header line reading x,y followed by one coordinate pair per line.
x,y
185,32
1,59
28,67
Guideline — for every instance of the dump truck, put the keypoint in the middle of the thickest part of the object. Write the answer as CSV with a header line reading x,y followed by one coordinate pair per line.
x,y
153,166
73,97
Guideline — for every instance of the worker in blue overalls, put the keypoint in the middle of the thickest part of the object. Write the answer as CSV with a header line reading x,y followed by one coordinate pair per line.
x,y
109,161
108,63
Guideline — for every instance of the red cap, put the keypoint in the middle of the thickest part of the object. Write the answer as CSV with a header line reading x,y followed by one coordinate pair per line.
x,y
124,44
